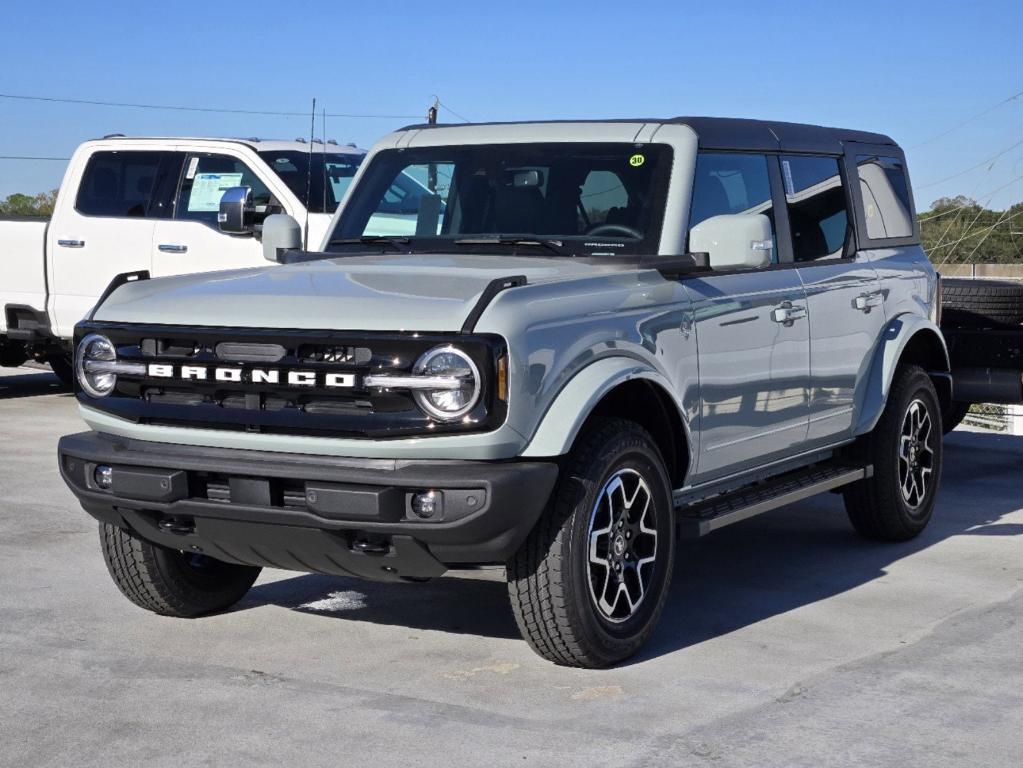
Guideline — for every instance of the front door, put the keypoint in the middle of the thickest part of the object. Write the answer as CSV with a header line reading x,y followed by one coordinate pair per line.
x,y
191,241
752,331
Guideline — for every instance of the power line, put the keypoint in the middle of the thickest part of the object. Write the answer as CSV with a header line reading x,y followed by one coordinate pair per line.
x,y
967,121
28,157
981,164
179,108
449,109
986,197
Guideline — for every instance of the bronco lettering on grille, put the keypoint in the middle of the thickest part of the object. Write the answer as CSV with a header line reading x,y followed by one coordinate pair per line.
x,y
272,376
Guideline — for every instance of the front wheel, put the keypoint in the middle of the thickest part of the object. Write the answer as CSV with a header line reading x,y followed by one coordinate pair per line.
x,y
905,448
170,582
589,584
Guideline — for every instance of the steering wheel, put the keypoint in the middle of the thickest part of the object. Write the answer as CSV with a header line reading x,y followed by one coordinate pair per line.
x,y
615,229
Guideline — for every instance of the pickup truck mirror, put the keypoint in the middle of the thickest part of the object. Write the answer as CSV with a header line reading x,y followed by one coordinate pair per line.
x,y
280,233
236,211
734,241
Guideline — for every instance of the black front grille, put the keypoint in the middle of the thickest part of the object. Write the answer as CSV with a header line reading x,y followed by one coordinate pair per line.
x,y
236,393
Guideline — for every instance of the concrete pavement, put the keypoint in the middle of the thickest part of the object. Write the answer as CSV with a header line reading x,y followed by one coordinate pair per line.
x,y
787,641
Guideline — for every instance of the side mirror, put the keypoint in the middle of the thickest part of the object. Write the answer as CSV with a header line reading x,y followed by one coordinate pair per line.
x,y
280,233
734,241
236,211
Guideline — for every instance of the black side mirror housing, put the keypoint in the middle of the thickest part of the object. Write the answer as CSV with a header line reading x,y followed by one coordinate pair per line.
x,y
237,214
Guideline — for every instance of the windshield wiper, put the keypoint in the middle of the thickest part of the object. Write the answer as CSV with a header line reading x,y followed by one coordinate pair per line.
x,y
555,246
395,242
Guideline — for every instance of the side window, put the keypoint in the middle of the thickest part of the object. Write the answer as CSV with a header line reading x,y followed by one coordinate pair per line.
x,y
206,178
408,207
818,211
727,183
886,204
119,184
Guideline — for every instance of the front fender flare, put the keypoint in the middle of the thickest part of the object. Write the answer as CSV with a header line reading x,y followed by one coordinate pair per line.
x,y
896,337
575,402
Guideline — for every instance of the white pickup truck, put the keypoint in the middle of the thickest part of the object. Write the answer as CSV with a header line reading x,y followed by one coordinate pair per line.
x,y
132,204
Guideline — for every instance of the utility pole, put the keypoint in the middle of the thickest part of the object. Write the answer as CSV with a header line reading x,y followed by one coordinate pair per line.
x,y
431,170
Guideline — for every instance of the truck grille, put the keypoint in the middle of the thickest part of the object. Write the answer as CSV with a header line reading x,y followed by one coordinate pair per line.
x,y
287,383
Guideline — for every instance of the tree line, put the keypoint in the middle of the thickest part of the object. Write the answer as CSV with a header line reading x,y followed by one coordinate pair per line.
x,y
955,229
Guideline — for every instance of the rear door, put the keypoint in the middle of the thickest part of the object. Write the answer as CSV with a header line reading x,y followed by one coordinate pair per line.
x,y
752,330
190,240
106,228
843,292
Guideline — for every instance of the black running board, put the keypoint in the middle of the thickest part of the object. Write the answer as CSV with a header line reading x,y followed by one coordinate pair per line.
x,y
709,515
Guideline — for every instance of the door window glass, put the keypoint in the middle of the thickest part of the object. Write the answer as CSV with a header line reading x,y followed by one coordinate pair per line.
x,y
818,212
731,183
204,182
119,184
886,204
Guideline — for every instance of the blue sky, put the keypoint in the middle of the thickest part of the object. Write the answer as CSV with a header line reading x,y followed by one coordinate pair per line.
x,y
909,69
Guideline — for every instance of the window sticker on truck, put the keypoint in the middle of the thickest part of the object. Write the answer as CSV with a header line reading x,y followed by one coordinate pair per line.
x,y
208,188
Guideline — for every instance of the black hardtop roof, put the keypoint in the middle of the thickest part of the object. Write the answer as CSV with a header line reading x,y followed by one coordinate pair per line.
x,y
736,133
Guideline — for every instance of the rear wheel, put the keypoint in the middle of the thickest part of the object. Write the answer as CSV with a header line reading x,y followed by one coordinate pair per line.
x,y
905,448
170,582
589,584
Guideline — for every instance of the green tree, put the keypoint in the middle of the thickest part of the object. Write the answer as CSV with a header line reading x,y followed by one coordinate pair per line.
x,y
29,205
961,230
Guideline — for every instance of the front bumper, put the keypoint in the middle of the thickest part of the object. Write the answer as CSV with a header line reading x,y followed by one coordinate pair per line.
x,y
309,513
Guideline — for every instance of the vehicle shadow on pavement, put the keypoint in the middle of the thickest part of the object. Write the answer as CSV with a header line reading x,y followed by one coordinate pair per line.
x,y
29,383
736,577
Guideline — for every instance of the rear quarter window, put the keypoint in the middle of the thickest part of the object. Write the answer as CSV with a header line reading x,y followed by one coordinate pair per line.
x,y
886,204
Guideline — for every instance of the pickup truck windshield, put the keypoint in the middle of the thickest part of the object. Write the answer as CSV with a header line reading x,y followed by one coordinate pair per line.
x,y
570,198
332,173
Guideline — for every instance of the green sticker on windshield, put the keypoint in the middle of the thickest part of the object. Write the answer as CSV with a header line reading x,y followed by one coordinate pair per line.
x,y
637,160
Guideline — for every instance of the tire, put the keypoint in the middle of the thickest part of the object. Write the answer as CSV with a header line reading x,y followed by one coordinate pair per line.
x,y
169,582
62,366
879,507
952,416
555,589
981,303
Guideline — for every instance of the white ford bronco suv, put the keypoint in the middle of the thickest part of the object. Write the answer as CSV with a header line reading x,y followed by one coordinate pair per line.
x,y
584,338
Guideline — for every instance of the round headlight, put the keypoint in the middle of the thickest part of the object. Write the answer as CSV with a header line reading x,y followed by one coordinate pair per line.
x,y
94,349
460,395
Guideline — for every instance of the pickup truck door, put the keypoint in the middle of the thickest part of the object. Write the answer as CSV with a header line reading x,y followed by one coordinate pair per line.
x,y
103,228
191,240
844,296
752,331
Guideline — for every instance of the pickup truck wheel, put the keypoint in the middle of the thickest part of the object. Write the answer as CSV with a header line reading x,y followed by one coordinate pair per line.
x,y
62,366
981,303
589,584
169,582
906,450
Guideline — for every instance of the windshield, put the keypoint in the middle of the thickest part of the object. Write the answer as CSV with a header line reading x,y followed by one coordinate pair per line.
x,y
323,191
584,199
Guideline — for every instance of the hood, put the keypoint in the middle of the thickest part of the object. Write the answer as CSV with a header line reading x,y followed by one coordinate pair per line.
x,y
424,292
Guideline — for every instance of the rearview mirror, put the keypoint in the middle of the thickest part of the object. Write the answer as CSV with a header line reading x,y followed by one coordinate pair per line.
x,y
280,233
236,211
734,241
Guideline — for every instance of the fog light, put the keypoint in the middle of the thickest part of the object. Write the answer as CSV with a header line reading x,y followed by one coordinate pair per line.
x,y
426,505
104,476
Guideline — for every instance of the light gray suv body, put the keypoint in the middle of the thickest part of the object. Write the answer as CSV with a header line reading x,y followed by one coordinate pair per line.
x,y
567,341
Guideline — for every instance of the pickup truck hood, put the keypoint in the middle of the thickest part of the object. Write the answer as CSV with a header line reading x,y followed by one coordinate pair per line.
x,y
423,292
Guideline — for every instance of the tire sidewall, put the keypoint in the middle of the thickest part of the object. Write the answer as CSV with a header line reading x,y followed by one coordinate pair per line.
x,y
919,388
631,450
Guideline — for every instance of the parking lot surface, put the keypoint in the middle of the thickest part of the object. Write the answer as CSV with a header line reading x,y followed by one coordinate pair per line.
x,y
787,641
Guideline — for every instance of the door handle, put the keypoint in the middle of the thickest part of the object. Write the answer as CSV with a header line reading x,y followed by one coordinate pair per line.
x,y
788,313
71,243
172,248
867,301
